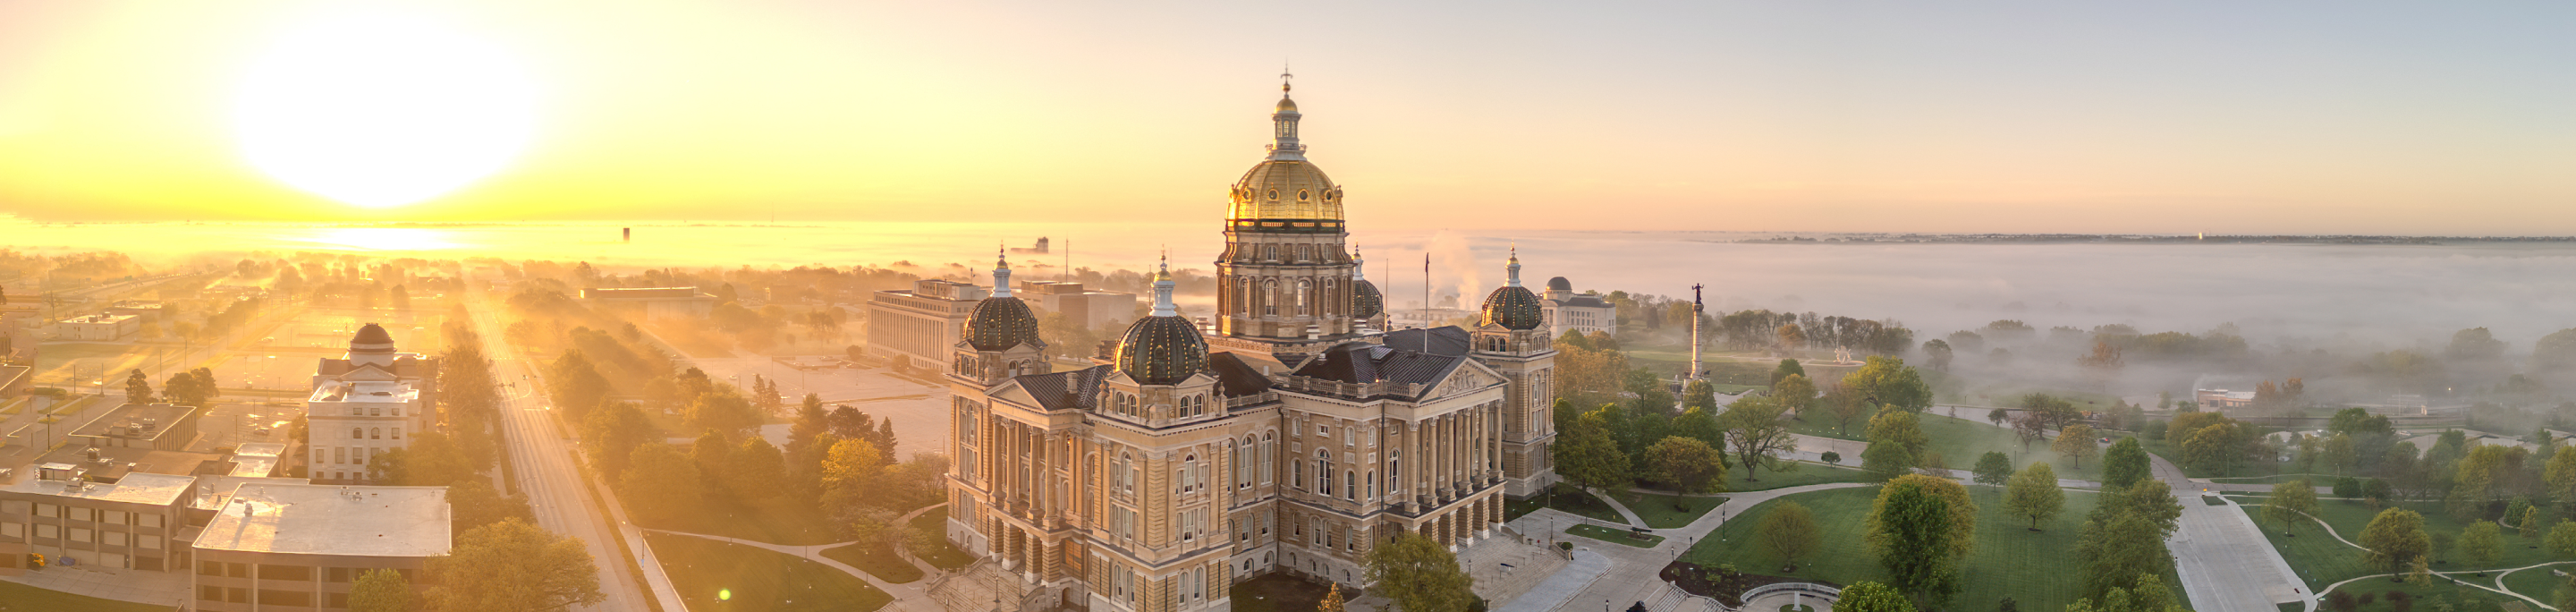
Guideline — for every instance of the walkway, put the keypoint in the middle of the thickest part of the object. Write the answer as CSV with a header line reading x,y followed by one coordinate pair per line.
x,y
2225,563
1569,591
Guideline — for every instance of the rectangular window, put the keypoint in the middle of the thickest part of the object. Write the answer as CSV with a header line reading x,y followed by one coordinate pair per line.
x,y
339,454
83,514
335,574
147,542
112,538
285,572
275,597
210,593
236,570
397,433
49,511
210,568
114,517
148,520
48,532
80,534
13,530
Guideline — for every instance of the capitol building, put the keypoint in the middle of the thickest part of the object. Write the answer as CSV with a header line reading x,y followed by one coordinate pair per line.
x,y
1291,435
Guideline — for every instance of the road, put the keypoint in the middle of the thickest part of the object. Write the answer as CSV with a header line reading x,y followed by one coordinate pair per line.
x,y
541,453
2225,563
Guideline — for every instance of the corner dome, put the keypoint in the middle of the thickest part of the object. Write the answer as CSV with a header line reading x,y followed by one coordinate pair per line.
x,y
1512,307
1560,284
1366,302
1000,323
1162,351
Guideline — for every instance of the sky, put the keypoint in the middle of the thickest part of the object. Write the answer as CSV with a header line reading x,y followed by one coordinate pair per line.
x,y
2302,117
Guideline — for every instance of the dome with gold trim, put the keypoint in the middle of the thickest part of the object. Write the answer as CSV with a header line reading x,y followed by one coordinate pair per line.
x,y
1002,322
1513,306
1163,348
1285,191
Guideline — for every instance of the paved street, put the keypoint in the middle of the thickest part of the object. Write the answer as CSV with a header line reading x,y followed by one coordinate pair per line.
x,y
2225,563
542,455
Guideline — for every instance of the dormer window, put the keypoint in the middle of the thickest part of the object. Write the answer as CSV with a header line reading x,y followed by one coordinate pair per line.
x,y
1301,195
1274,194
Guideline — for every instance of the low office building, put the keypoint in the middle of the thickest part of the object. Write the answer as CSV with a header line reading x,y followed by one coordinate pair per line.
x,y
303,546
166,427
652,302
59,512
148,312
98,328
921,323
366,404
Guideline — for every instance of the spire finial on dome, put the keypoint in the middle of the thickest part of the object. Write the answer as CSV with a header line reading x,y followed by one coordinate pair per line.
x,y
1284,77
1002,272
1359,265
1515,267
1163,306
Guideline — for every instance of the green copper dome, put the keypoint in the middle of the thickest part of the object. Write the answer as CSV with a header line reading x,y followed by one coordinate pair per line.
x,y
1000,323
1162,350
1512,307
1366,302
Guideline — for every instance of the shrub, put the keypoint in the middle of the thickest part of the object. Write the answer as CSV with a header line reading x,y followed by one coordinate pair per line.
x,y
1833,458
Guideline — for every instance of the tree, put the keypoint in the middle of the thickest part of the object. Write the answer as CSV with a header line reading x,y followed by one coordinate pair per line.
x,y
1791,337
1789,533
1699,394
610,433
2211,448
1993,469
2481,544
1909,527
2291,502
1844,404
658,472
1899,427
1936,353
2126,463
2394,537
1420,575
1689,465
1794,392
811,421
758,467
2030,427
2034,494
138,390
2530,524
2076,442
1886,460
1887,381
513,566
2561,539
2105,358
1758,434
1333,597
1872,597
381,590
1588,457
474,503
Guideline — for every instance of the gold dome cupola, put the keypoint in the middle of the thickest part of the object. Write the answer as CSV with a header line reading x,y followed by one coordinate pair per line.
x,y
1285,193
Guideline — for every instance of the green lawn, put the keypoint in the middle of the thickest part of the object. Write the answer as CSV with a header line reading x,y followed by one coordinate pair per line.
x,y
1805,474
1566,499
1621,537
1960,442
940,553
877,560
2536,582
14,596
2322,560
2322,480
1660,511
775,520
2033,568
758,580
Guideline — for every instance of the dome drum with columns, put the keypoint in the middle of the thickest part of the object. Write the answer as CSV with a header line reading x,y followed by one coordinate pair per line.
x,y
1298,412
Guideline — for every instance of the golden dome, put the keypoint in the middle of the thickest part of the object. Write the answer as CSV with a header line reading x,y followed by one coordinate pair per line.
x,y
1285,191
1285,105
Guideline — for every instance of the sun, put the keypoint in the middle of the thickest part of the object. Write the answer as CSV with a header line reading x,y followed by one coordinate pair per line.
x,y
383,110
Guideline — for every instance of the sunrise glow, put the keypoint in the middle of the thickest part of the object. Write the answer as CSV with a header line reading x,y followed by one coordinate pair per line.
x,y
383,110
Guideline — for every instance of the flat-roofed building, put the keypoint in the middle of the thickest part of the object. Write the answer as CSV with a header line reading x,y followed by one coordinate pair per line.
x,y
98,328
303,546
921,323
366,404
166,427
149,312
1091,309
652,302
60,512
257,460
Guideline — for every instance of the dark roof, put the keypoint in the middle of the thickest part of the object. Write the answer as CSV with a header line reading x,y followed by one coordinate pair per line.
x,y
1361,363
372,334
1590,301
1069,390
1512,307
1445,340
1560,284
1000,323
1234,378
1162,351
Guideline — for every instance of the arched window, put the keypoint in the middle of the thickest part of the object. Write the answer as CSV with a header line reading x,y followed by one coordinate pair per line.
x,y
1270,298
1323,471
1302,289
1242,470
1269,448
1189,473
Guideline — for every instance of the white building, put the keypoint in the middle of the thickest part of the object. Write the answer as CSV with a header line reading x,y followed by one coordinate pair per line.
x,y
365,404
1563,309
98,328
